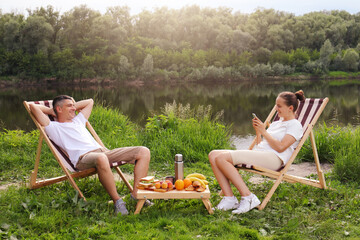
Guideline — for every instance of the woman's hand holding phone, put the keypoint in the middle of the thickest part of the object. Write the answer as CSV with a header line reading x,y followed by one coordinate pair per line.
x,y
258,135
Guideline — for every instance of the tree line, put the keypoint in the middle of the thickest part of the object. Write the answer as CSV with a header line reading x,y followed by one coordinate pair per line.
x,y
190,43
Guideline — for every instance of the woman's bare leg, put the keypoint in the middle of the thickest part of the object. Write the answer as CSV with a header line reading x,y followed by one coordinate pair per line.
x,y
220,177
225,172
225,164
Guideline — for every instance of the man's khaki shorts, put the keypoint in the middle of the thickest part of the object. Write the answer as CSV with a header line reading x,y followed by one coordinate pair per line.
x,y
125,154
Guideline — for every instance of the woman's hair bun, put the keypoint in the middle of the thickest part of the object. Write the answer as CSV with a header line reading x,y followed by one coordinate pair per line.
x,y
300,95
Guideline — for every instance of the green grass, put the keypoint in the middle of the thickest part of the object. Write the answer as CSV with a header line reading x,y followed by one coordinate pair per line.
x,y
342,74
295,212
343,82
55,212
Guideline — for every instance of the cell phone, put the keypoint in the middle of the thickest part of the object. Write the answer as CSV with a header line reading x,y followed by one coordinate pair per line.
x,y
254,115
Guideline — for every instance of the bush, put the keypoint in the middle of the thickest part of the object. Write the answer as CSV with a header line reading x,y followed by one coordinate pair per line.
x,y
327,139
160,74
314,67
299,57
212,73
338,145
180,129
229,73
114,128
347,158
246,70
262,70
347,163
289,70
195,75
278,69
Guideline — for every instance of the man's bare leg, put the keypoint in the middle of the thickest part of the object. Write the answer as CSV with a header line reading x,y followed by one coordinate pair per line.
x,y
106,177
141,168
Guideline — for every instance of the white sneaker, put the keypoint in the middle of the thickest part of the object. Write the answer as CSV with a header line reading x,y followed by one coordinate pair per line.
x,y
227,203
247,203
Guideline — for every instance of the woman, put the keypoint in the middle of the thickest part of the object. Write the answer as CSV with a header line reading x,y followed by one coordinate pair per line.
x,y
274,150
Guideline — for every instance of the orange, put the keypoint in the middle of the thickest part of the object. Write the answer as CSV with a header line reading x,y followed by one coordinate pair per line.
x,y
187,182
179,184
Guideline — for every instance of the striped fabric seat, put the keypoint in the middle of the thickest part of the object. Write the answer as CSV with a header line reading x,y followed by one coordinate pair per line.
x,y
47,103
306,111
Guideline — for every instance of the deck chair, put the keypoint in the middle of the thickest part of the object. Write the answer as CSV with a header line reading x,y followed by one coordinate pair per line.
x,y
308,113
62,158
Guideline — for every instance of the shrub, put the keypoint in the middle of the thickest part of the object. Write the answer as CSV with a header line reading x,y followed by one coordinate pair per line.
x,y
289,69
315,67
246,70
212,73
338,145
279,56
299,57
173,74
347,158
262,70
228,73
347,163
194,75
327,139
160,74
278,69
181,129
114,128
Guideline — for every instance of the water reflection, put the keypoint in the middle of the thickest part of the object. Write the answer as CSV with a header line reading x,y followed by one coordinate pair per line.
x,y
237,100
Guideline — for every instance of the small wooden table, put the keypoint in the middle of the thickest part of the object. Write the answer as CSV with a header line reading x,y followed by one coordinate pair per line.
x,y
143,195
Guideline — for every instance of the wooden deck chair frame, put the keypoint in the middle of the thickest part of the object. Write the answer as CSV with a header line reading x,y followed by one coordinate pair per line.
x,y
70,172
282,175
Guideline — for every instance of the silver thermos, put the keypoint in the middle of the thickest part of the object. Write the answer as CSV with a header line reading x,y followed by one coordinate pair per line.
x,y
179,167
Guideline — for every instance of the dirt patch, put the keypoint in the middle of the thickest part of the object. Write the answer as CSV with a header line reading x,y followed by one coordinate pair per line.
x,y
304,169
117,177
6,186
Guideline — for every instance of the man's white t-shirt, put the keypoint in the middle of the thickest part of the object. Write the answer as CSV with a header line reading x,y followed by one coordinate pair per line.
x,y
278,130
73,137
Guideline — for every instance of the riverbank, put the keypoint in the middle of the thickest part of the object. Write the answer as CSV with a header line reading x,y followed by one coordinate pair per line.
x,y
138,82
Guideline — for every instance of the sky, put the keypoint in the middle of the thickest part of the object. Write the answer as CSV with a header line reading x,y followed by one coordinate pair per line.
x,y
298,7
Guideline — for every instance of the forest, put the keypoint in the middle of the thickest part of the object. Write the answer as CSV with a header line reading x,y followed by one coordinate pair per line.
x,y
190,43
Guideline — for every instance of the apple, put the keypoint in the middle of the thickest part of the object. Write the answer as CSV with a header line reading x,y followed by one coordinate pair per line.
x,y
170,184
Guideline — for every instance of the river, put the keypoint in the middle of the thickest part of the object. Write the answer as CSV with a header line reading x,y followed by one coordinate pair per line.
x,y
237,100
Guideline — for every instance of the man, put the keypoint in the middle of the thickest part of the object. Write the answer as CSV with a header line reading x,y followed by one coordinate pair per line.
x,y
69,132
